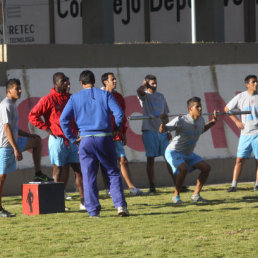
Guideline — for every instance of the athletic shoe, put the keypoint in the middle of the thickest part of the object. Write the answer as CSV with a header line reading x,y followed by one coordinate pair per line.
x,y
67,197
122,211
136,191
177,200
82,207
198,198
108,194
6,214
67,209
232,189
42,178
152,189
256,188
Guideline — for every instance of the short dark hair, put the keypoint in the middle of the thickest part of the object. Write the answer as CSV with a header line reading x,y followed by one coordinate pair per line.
x,y
56,76
250,76
87,77
11,82
193,100
104,77
150,77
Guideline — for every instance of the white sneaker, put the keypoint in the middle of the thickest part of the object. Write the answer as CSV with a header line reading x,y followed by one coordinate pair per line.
x,y
198,198
67,197
108,194
122,211
176,199
136,191
82,207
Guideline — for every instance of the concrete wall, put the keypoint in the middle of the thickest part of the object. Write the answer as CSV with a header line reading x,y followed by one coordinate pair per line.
x,y
132,55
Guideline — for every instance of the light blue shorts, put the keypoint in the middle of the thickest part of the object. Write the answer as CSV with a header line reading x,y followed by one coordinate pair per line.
x,y
7,158
62,153
175,159
155,143
120,151
247,144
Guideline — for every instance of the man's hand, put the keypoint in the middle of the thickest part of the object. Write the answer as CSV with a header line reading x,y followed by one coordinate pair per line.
x,y
239,124
162,128
214,116
18,155
48,130
78,140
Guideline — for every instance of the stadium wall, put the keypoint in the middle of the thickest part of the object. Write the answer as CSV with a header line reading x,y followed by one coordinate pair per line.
x,y
215,72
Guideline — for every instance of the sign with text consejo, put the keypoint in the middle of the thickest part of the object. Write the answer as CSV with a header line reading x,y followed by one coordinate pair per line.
x,y
170,21
216,85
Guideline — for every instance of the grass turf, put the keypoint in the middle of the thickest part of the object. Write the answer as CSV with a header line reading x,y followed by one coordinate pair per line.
x,y
224,227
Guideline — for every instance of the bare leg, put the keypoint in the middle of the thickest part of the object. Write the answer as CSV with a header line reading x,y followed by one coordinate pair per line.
x,y
78,178
34,143
2,179
238,168
170,171
125,171
180,177
150,170
60,173
205,170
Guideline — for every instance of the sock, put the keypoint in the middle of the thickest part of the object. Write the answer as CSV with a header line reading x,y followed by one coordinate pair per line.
x,y
234,183
256,183
82,201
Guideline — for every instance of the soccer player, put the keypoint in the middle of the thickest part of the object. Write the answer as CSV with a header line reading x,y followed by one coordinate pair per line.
x,y
12,146
109,82
179,153
91,109
62,153
153,103
248,142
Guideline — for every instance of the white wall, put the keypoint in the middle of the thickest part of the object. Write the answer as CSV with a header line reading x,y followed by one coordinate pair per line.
x,y
177,84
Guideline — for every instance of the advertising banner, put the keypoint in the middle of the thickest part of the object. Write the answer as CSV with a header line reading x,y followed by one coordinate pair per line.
x,y
215,85
27,22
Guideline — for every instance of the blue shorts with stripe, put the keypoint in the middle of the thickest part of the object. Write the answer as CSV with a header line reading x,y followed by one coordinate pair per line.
x,y
246,145
155,143
62,152
175,159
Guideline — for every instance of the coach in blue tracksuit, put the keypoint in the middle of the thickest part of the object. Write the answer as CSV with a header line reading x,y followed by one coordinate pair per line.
x,y
90,109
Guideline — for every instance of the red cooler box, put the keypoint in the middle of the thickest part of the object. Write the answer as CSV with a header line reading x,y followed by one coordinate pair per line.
x,y
41,198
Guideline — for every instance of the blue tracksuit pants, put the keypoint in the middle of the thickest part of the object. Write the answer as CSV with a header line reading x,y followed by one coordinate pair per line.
x,y
92,151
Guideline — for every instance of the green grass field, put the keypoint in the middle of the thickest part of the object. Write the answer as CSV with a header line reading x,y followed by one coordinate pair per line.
x,y
227,226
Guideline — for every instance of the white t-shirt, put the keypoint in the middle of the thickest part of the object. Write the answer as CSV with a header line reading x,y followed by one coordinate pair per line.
x,y
8,115
246,102
187,134
153,104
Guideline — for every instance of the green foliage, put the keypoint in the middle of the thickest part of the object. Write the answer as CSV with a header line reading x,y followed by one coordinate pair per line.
x,y
224,227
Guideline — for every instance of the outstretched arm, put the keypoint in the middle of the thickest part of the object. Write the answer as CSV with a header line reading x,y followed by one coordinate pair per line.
x,y
211,122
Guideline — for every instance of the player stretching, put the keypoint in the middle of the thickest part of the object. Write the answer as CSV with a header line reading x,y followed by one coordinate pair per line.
x,y
248,142
179,153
